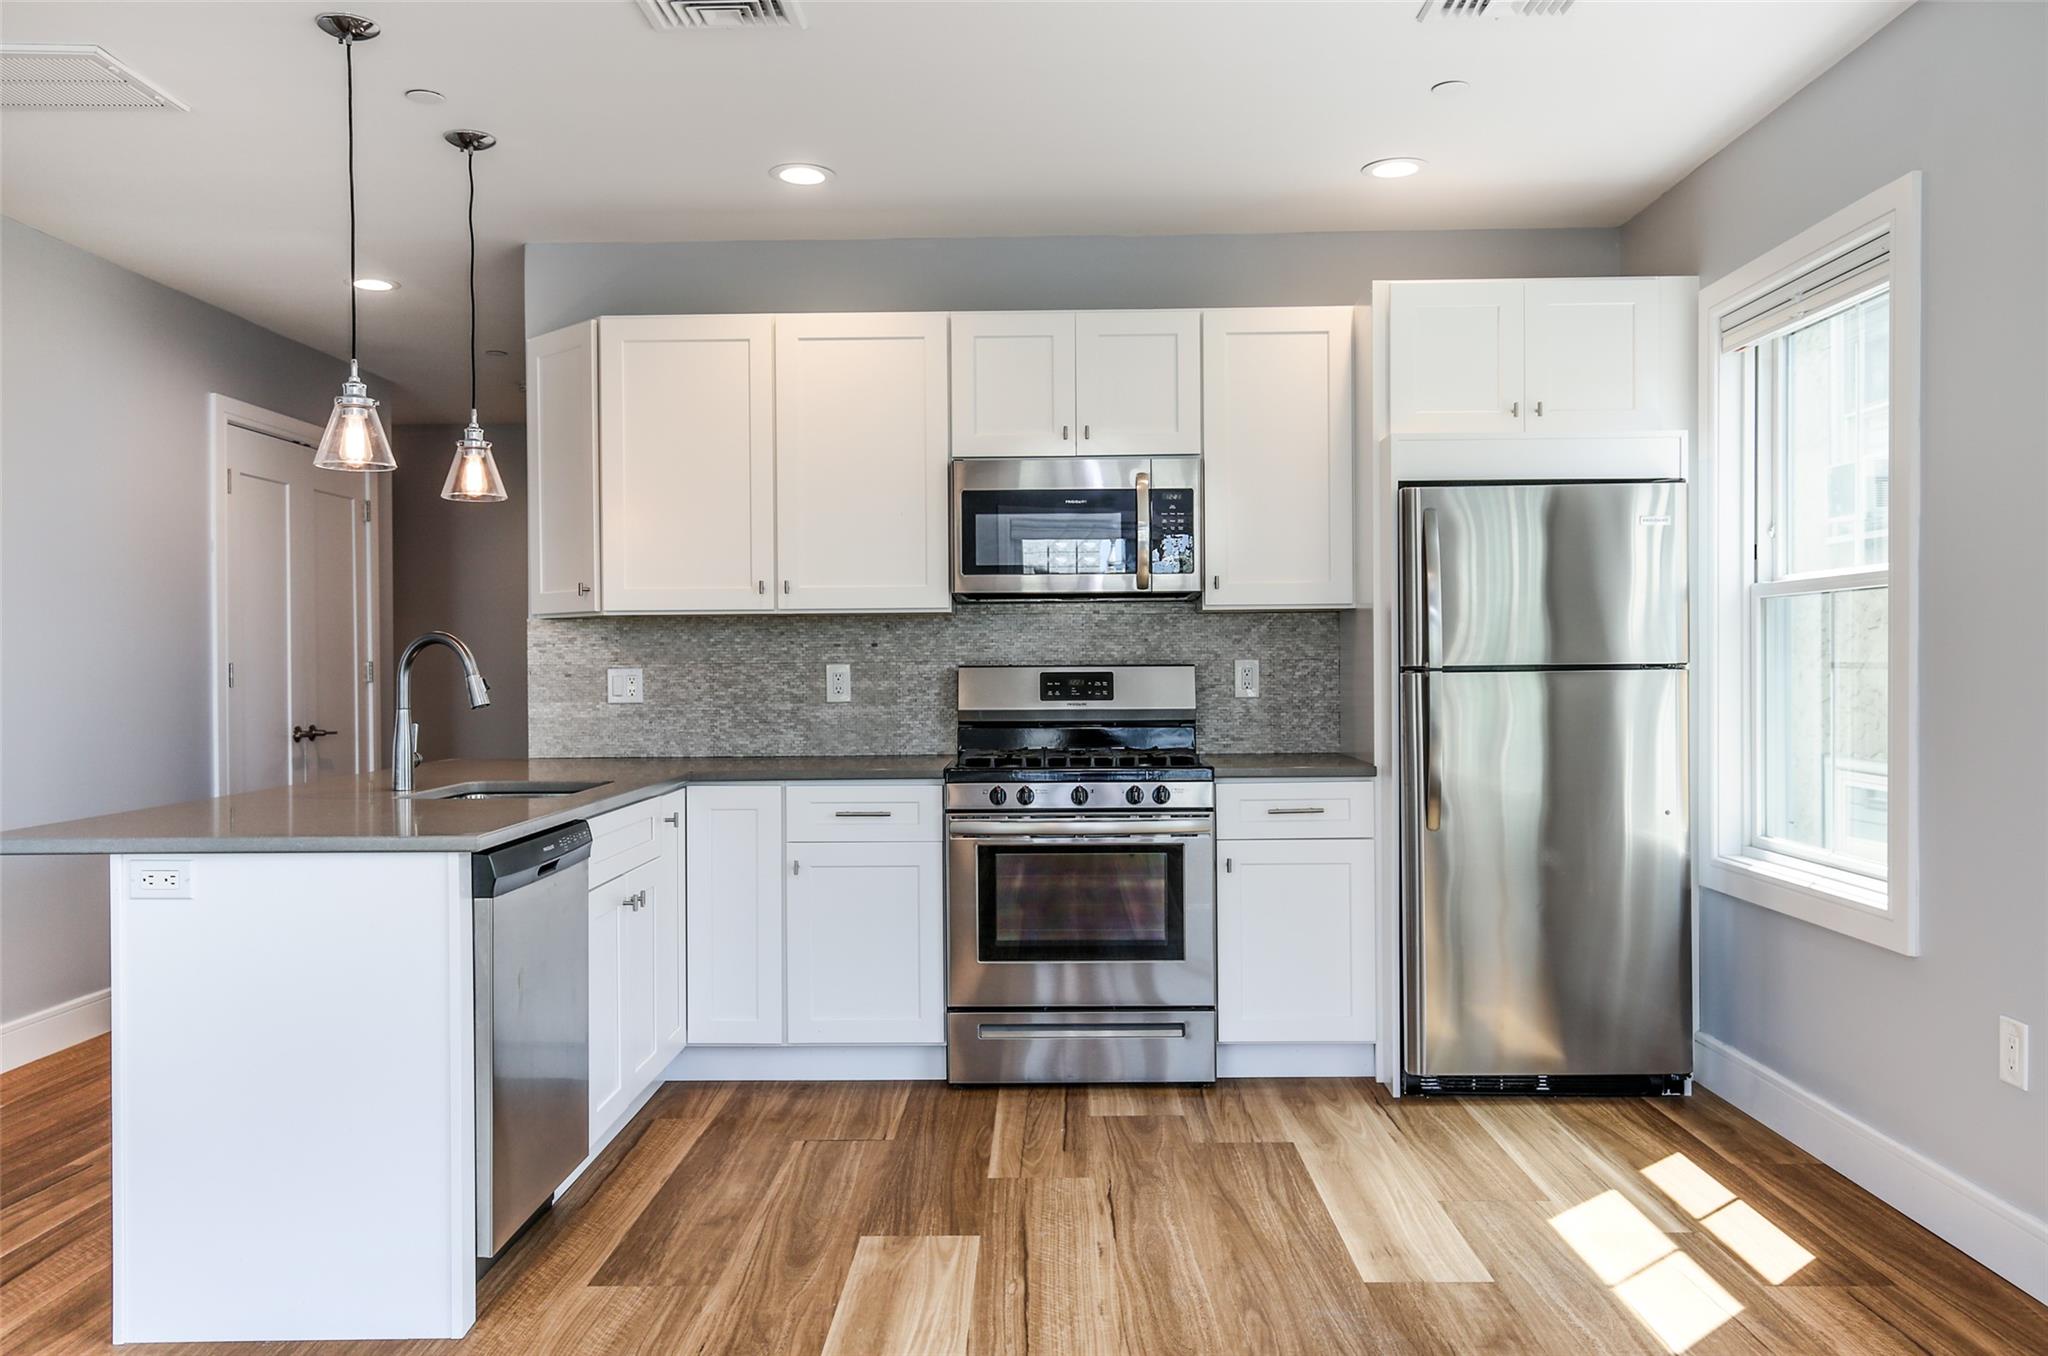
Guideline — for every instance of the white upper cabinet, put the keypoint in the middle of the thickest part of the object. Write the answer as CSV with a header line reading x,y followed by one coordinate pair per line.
x,y
1138,383
1564,356
687,462
860,459
1013,384
1278,466
561,477
733,906
1455,364
1603,356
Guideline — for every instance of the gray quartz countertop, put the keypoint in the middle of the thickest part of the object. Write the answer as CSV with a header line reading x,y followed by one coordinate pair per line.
x,y
362,814
1290,765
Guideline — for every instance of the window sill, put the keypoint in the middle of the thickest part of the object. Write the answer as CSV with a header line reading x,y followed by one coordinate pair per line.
x,y
1813,895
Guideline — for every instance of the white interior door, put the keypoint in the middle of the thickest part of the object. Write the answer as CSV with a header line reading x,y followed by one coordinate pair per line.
x,y
293,610
1138,383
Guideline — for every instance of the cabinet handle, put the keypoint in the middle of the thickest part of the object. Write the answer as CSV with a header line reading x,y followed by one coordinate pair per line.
x,y
1085,434
1228,866
1063,432
1539,409
796,868
1515,409
674,821
863,814
785,586
1295,809
583,590
1215,581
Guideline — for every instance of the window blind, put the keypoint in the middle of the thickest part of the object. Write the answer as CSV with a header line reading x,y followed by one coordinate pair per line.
x,y
1823,287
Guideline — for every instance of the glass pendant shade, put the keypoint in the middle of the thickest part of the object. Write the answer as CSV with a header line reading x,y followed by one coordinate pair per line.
x,y
354,439
473,477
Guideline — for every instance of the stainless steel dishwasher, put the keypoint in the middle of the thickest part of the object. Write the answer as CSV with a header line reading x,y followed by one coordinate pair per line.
x,y
532,902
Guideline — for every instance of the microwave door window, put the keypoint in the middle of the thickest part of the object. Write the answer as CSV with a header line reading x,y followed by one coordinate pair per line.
x,y
1029,532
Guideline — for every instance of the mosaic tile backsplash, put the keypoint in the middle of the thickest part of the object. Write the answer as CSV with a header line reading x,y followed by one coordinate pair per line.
x,y
755,686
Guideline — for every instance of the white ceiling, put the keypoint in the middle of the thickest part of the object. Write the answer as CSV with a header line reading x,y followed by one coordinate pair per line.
x,y
950,118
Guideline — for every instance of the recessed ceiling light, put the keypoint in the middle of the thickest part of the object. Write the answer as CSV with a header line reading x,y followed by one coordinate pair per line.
x,y
804,176
1393,167
426,96
376,285
1450,87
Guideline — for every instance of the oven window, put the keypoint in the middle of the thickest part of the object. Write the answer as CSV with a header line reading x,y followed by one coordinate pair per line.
x,y
1081,903
1019,532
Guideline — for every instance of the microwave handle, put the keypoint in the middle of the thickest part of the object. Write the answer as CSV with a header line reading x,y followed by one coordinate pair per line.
x,y
1144,531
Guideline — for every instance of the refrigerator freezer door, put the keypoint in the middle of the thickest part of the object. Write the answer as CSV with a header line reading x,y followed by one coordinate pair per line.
x,y
1566,575
1545,881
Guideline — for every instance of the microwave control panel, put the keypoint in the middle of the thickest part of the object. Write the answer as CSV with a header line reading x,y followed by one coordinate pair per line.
x,y
1173,531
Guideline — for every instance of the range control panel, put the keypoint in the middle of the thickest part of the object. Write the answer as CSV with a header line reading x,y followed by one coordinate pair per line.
x,y
1077,687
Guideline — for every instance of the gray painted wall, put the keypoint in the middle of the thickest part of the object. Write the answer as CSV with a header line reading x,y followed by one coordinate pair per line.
x,y
568,283
461,568
1960,92
756,685
104,575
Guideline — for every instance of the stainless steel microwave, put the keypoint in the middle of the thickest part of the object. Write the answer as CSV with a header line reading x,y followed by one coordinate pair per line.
x,y
1077,527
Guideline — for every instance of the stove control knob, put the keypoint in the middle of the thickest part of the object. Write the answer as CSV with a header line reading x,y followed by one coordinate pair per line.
x,y
996,795
1136,795
1161,794
1025,795
1080,796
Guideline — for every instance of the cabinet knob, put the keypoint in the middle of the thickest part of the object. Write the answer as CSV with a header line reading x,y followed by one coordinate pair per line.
x,y
1515,409
673,821
1539,409
583,590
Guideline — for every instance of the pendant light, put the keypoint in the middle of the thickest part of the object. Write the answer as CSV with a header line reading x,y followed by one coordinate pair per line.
x,y
354,438
473,478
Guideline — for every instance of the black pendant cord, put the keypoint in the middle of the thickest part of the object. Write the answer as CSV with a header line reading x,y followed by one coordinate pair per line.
x,y
471,157
348,50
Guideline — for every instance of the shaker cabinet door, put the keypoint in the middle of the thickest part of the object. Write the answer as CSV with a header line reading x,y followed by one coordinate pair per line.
x,y
1138,383
733,903
561,472
1013,384
1455,357
866,935
1296,941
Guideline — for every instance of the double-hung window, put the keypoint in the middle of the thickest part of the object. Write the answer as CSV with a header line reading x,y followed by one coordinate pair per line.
x,y
1809,671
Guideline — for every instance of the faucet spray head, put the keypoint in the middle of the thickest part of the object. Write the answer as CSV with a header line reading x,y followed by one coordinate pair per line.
x,y
479,691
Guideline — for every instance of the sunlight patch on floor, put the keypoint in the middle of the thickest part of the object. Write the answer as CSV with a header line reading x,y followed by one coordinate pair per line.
x,y
1666,1289
1770,1251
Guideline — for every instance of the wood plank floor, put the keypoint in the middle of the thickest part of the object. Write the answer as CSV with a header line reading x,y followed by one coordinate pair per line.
x,y
884,1219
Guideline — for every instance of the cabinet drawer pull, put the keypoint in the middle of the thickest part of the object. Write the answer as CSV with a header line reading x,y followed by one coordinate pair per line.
x,y
863,814
1295,809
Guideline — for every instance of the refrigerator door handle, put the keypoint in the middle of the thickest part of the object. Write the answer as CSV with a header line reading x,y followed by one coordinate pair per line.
x,y
1413,738
1432,589
1432,764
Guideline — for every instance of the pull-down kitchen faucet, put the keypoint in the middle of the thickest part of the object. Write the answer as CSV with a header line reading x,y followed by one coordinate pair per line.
x,y
405,735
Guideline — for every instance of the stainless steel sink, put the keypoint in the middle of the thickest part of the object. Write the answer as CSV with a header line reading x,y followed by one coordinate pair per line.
x,y
505,790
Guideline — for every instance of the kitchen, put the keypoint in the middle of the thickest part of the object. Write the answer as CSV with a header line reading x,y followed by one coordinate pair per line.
x,y
846,590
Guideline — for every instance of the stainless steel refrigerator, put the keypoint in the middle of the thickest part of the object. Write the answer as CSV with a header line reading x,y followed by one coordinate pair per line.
x,y
1544,864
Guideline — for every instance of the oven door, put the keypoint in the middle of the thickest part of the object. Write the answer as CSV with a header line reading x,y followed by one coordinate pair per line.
x,y
1109,911
1028,526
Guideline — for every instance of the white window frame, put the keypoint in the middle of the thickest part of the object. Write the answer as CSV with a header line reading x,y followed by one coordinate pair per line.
x,y
1885,912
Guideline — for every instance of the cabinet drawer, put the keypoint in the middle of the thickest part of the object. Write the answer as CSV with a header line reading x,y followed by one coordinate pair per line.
x,y
624,839
1313,809
877,812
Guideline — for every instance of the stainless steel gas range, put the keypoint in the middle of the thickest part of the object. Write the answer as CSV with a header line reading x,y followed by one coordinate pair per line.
x,y
1080,880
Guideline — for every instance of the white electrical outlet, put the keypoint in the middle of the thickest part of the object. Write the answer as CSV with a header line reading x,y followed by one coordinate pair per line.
x,y
1247,677
160,880
623,685
839,682
2012,1052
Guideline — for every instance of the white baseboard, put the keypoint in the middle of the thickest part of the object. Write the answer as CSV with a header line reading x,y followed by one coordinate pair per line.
x,y
825,1063
55,1028
1294,1061
2003,1237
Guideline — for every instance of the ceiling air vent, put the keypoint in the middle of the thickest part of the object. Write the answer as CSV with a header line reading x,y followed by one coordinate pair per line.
x,y
672,16
48,75
1490,9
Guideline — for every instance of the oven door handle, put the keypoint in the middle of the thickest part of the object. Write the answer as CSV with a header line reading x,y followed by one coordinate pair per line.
x,y
1024,1031
1082,830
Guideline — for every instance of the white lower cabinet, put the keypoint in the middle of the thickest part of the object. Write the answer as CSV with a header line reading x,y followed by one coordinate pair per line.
x,y
1296,939
866,932
624,1052
733,914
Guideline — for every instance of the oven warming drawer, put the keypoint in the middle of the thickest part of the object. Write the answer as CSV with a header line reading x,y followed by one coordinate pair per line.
x,y
1121,1045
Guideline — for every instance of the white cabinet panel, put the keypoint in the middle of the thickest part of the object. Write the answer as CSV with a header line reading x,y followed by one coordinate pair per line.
x,y
866,927
623,839
624,1054
879,812
1277,493
860,434
1455,359
687,454
1138,383
1296,933
1300,809
1599,356
1013,384
671,1008
733,906
561,471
